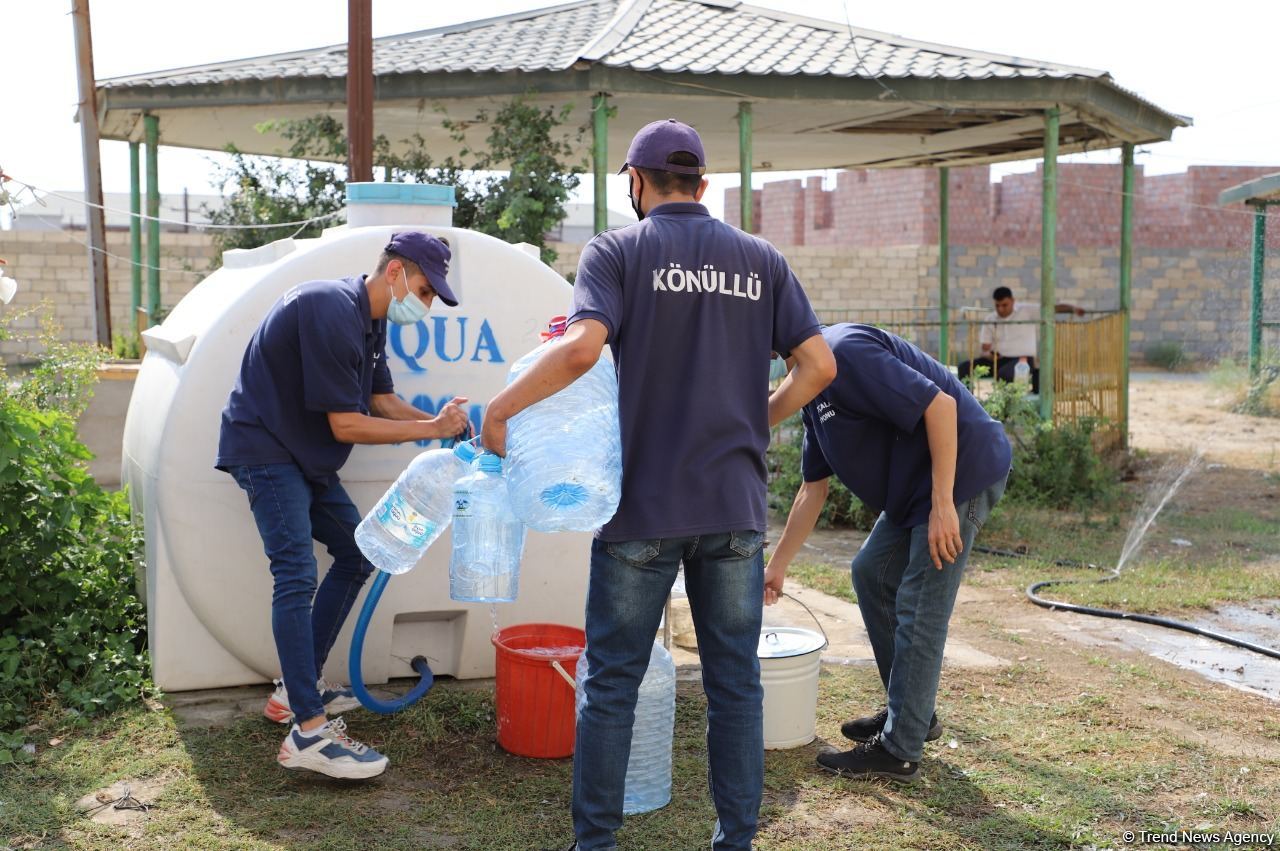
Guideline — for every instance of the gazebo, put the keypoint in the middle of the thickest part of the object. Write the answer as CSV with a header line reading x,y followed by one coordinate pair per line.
x,y
765,88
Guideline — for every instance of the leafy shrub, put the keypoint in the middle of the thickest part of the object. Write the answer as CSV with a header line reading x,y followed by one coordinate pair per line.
x,y
1054,465
1258,397
71,624
1166,354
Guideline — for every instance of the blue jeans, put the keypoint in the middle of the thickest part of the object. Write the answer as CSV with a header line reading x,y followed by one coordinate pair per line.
x,y
724,577
906,605
290,512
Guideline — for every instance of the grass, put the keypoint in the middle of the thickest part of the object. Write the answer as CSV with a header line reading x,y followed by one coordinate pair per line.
x,y
1035,765
826,578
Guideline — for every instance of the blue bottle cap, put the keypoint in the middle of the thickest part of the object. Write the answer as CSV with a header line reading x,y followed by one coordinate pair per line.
x,y
490,463
466,451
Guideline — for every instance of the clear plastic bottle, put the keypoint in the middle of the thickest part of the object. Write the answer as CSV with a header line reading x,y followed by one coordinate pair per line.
x,y
564,454
414,511
1022,372
648,785
488,538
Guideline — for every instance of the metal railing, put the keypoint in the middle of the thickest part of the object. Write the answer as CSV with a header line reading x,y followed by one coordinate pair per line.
x,y
1089,356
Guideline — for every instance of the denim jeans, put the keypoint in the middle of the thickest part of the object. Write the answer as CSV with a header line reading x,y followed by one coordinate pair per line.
x,y
906,605
290,512
724,577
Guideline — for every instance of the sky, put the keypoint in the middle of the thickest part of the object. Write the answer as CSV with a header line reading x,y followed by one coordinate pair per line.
x,y
1199,61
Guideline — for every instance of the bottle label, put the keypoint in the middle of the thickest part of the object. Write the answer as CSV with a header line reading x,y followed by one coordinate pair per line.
x,y
402,522
461,503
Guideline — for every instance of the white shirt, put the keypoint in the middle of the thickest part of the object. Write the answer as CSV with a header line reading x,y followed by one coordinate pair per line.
x,y
1010,340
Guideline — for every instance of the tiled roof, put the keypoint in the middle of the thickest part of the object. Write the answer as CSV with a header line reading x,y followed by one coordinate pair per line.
x,y
697,36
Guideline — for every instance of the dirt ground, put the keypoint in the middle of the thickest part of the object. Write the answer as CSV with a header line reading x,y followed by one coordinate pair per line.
x,y
1171,412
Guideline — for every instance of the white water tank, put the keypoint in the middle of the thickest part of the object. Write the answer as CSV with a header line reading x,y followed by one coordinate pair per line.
x,y
208,585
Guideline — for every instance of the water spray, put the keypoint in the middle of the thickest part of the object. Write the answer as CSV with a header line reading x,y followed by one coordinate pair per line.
x,y
1146,516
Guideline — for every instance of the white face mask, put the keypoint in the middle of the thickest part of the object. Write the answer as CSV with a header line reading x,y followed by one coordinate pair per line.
x,y
408,310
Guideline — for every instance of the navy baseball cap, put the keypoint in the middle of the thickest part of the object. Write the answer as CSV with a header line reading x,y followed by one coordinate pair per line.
x,y
653,146
431,256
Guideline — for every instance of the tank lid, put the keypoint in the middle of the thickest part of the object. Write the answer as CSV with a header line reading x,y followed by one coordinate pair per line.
x,y
780,642
429,194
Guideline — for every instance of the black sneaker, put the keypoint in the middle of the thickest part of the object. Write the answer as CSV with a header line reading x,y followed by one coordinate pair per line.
x,y
868,760
862,729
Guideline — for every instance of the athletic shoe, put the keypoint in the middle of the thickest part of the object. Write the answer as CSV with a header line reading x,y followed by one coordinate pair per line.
x,y
330,751
336,699
868,760
863,729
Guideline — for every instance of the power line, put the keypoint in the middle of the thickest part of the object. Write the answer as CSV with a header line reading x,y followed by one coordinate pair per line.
x,y
302,223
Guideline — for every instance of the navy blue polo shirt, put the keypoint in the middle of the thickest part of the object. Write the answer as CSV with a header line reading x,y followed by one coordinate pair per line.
x,y
868,429
694,307
317,351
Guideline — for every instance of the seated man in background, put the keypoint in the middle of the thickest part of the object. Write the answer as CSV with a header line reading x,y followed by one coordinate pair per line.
x,y
1009,333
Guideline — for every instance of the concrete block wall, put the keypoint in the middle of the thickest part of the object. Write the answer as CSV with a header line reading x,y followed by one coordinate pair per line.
x,y
52,268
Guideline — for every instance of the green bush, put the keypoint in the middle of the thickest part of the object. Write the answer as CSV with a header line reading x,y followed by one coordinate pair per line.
x,y
1166,354
1054,465
71,625
842,507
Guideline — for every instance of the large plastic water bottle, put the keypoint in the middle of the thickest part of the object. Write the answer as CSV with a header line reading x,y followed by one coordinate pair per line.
x,y
648,785
564,454
488,538
414,511
1022,372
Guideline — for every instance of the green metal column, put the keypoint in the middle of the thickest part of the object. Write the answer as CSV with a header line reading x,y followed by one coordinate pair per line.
x,y
1126,279
152,126
1255,303
745,198
944,263
600,157
1048,260
135,236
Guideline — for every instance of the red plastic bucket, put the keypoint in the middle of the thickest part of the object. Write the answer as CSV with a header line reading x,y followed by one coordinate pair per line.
x,y
535,701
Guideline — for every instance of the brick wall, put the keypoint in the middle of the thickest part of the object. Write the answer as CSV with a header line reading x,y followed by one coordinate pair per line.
x,y
869,208
50,266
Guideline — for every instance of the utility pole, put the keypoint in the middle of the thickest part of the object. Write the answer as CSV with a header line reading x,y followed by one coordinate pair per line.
x,y
95,222
359,91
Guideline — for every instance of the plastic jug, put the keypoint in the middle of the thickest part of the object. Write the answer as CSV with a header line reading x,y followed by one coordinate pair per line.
x,y
564,454
414,511
1022,372
648,785
488,538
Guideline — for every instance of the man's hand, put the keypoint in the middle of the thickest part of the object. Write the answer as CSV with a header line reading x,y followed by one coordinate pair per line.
x,y
945,543
451,420
775,574
493,435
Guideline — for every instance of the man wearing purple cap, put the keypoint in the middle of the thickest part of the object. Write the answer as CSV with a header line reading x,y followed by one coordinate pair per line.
x,y
313,382
692,309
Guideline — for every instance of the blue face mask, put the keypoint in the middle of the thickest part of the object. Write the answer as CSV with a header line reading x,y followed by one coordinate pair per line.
x,y
408,310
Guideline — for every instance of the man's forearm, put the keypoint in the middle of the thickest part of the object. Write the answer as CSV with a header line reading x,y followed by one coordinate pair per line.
x,y
805,511
940,425
391,407
361,429
551,373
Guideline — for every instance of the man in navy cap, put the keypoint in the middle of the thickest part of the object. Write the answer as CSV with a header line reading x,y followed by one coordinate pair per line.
x,y
313,382
692,309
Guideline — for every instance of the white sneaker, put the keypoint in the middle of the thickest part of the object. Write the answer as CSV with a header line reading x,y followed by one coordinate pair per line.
x,y
330,751
336,699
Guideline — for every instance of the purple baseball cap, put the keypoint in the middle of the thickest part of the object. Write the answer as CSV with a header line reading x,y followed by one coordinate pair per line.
x,y
653,146
431,256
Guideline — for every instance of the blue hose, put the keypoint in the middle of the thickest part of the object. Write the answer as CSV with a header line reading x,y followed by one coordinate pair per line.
x,y
419,663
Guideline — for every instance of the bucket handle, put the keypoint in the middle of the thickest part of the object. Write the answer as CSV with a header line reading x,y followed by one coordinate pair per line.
x,y
826,642
555,663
